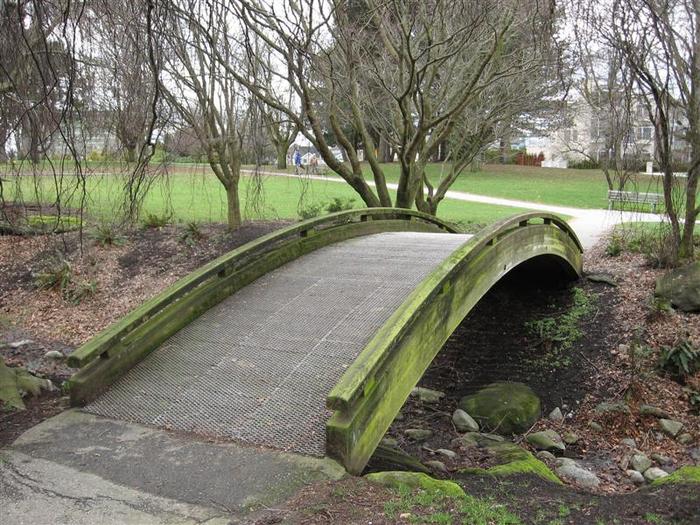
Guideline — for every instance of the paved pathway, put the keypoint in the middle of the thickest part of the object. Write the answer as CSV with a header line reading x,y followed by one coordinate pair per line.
x,y
589,224
257,367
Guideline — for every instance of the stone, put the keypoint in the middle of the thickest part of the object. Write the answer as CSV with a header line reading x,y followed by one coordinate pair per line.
x,y
426,395
595,426
570,438
504,407
485,439
654,473
390,442
436,465
685,438
681,287
447,453
615,407
629,442
670,427
418,434
19,344
463,422
695,453
470,439
573,473
556,415
545,455
661,459
635,477
546,440
54,355
604,278
640,462
416,480
649,410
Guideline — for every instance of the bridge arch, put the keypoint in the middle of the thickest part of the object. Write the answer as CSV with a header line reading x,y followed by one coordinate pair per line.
x,y
371,392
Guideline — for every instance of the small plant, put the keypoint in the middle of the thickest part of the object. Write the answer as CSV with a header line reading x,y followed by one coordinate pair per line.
x,y
614,247
557,334
81,291
681,360
56,275
338,204
310,211
155,221
192,233
107,235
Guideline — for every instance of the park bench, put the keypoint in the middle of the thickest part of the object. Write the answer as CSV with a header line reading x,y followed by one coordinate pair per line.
x,y
632,197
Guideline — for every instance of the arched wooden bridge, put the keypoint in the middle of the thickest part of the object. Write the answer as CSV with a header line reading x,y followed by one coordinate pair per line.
x,y
309,339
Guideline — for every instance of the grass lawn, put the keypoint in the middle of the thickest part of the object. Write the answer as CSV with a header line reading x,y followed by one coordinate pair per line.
x,y
563,187
196,195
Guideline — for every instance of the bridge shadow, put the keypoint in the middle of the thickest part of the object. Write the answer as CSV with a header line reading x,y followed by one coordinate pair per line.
x,y
493,343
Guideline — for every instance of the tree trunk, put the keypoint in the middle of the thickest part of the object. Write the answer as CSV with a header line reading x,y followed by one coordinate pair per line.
x,y
130,153
282,155
234,207
384,150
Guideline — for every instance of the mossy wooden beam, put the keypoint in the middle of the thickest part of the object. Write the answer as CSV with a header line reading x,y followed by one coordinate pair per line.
x,y
374,388
114,351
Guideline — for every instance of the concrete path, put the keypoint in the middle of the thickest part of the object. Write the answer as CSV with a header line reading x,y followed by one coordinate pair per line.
x,y
80,469
589,224
257,367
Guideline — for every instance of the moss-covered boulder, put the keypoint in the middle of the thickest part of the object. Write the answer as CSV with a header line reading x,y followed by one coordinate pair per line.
x,y
16,383
687,474
416,480
681,287
513,460
504,407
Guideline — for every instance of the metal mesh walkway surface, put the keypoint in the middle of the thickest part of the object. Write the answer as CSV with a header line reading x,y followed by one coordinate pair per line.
x,y
258,366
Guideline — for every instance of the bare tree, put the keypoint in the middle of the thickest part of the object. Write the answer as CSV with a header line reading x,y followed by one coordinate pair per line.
x,y
429,66
659,40
199,86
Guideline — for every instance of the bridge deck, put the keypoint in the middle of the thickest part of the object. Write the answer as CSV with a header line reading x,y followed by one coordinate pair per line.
x,y
258,366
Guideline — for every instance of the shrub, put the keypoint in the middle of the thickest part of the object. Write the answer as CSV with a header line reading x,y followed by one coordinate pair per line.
x,y
155,221
192,233
681,360
76,294
310,211
614,247
56,275
338,204
107,235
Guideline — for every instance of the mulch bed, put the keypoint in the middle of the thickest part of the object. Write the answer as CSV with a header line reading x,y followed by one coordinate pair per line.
x,y
126,275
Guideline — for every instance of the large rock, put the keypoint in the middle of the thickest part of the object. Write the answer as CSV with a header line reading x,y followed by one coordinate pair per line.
x,y
654,473
681,287
505,407
572,472
640,462
670,427
463,422
546,440
426,395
